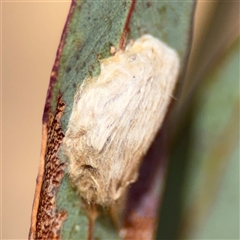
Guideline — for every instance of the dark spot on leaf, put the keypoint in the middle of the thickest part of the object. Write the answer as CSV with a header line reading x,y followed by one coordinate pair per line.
x,y
149,4
68,69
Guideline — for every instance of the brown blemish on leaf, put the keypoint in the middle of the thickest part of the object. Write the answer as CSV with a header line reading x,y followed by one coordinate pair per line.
x,y
46,219
144,226
50,170
38,183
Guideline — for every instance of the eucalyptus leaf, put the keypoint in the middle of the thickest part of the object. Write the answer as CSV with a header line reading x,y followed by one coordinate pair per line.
x,y
92,28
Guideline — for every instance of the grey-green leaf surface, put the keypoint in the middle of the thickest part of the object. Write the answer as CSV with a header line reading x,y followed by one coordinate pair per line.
x,y
93,28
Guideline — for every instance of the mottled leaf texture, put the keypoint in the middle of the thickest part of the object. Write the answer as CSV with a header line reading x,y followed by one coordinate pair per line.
x,y
92,28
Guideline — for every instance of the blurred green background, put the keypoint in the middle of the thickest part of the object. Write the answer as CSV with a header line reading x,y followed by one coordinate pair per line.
x,y
202,194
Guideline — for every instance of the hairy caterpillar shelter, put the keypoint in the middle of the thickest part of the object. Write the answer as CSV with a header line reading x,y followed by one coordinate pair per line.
x,y
116,116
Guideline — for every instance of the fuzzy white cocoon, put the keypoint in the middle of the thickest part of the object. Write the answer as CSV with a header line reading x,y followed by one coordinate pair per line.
x,y
116,116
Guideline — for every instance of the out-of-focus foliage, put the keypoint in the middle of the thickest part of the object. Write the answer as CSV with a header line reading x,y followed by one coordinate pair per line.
x,y
212,190
202,193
